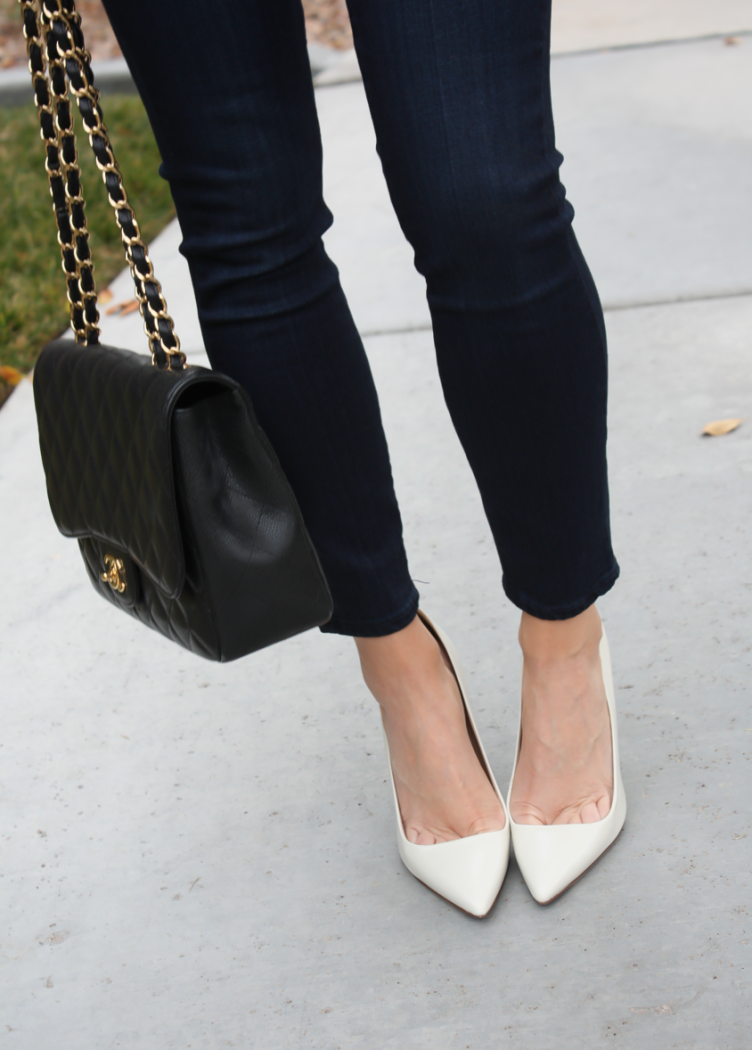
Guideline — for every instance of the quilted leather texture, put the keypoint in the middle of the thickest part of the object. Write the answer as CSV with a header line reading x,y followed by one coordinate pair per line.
x,y
170,472
104,432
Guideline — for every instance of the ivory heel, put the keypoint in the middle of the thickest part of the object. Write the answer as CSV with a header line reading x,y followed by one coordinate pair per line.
x,y
552,857
466,872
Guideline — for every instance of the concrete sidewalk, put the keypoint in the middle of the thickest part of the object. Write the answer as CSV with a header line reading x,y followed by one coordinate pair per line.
x,y
200,856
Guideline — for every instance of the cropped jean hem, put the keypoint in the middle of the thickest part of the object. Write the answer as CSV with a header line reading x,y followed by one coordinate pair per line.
x,y
563,611
376,628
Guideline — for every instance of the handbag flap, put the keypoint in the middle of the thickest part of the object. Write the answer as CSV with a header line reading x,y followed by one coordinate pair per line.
x,y
104,418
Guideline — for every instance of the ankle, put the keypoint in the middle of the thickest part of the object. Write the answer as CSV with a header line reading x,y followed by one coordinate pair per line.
x,y
398,666
550,643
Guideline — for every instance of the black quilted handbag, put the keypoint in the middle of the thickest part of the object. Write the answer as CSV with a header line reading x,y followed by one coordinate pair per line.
x,y
182,512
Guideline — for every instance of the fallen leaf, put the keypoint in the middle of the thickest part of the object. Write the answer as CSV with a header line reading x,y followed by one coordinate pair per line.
x,y
126,307
9,375
721,426
105,296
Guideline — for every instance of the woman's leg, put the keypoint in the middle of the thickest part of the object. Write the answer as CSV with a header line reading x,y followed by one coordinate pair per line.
x,y
229,95
460,99
228,91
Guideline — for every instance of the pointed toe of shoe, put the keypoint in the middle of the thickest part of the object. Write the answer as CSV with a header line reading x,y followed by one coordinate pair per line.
x,y
552,857
466,872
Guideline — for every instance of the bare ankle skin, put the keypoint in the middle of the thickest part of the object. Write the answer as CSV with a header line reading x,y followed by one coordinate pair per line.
x,y
443,792
564,773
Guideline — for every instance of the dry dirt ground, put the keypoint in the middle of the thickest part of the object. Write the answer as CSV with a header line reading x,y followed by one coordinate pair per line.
x,y
327,23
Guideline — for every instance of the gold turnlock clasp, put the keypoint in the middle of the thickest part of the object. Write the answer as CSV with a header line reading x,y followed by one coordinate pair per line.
x,y
115,574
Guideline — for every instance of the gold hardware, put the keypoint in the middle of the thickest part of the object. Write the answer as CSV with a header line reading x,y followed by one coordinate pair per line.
x,y
115,575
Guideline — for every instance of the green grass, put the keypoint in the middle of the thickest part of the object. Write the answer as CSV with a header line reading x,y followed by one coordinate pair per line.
x,y
33,306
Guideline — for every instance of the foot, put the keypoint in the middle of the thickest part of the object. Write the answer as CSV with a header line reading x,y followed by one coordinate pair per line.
x,y
564,772
442,790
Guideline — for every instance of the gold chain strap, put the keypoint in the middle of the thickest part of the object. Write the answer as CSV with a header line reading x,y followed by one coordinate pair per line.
x,y
84,318
65,55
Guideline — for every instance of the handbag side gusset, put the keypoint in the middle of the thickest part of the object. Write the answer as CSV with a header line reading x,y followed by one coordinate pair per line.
x,y
321,594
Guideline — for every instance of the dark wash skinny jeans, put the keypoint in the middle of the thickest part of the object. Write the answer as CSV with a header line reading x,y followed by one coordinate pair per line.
x,y
460,99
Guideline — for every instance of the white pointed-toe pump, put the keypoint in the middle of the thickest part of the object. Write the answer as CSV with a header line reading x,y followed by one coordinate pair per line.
x,y
552,857
467,872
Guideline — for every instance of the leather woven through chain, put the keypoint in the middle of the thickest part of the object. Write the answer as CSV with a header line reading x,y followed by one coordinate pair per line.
x,y
58,60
